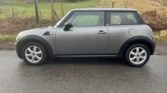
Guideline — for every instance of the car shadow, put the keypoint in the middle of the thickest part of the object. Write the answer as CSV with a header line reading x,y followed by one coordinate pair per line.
x,y
87,61
113,61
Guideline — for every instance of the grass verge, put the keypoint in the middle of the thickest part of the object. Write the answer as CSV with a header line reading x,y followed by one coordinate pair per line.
x,y
7,38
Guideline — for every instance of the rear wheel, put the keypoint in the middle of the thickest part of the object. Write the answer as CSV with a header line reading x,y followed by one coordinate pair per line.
x,y
137,55
34,53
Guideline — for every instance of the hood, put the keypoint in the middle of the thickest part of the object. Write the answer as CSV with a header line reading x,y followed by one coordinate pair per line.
x,y
36,31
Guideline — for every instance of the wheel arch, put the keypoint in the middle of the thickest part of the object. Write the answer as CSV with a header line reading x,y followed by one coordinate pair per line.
x,y
138,40
33,38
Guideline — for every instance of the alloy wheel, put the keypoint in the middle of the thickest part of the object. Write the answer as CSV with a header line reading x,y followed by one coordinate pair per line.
x,y
33,54
138,55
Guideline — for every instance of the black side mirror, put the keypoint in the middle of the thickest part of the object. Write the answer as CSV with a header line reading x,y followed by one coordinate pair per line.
x,y
68,26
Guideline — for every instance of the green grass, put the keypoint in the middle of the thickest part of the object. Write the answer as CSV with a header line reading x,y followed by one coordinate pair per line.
x,y
7,38
26,10
23,9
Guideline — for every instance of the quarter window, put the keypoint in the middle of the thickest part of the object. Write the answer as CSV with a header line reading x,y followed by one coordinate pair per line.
x,y
124,18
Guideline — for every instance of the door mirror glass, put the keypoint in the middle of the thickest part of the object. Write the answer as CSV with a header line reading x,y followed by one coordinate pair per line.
x,y
68,26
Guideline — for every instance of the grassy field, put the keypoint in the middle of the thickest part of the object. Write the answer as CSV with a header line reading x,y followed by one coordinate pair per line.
x,y
23,9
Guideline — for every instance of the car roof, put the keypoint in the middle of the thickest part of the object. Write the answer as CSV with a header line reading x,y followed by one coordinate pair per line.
x,y
104,9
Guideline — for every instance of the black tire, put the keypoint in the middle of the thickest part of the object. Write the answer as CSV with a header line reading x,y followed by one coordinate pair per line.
x,y
43,57
127,55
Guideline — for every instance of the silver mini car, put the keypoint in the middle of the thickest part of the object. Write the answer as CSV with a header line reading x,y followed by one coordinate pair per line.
x,y
95,32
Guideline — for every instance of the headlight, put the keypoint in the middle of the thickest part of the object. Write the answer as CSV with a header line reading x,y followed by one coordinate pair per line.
x,y
19,36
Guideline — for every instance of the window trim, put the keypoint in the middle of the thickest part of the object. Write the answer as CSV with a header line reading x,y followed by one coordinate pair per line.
x,y
139,18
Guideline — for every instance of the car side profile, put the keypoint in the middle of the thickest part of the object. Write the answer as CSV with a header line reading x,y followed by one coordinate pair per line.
x,y
94,32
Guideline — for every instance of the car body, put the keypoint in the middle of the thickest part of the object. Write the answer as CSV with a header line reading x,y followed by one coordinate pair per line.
x,y
90,32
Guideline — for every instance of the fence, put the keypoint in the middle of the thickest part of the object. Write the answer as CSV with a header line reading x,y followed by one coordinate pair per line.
x,y
52,13
20,17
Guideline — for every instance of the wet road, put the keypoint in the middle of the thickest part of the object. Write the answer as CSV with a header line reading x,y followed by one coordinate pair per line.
x,y
81,75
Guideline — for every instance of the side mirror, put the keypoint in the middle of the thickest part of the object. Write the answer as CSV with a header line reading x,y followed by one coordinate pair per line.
x,y
68,26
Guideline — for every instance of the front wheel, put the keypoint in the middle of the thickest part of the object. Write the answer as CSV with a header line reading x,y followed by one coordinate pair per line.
x,y
137,55
34,53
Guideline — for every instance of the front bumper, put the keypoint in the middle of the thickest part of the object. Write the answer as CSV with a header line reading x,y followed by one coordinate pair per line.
x,y
18,49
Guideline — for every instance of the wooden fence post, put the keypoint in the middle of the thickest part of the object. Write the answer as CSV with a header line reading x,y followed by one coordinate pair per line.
x,y
54,15
13,13
126,3
36,11
62,7
113,3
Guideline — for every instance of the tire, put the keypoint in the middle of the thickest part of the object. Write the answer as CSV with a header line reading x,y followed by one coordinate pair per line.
x,y
137,55
34,53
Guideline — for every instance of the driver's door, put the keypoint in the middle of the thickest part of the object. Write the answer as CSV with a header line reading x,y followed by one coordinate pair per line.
x,y
87,36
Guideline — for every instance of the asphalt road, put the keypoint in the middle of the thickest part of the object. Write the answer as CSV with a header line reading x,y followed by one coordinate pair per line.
x,y
81,75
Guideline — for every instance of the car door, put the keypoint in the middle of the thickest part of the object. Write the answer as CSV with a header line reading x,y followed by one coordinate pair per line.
x,y
87,36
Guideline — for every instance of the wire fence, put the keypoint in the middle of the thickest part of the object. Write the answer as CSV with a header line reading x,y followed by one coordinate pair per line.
x,y
25,18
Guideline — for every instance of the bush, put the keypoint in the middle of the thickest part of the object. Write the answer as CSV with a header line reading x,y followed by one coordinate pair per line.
x,y
15,25
156,21
164,2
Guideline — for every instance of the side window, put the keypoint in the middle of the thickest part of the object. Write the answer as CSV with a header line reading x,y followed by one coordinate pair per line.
x,y
87,19
115,19
131,18
124,18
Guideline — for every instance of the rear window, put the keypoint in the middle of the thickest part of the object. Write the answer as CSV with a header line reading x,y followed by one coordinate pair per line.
x,y
124,18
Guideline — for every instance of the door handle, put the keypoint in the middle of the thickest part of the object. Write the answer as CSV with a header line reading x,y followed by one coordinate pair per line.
x,y
101,32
